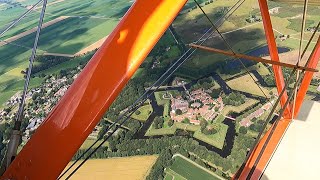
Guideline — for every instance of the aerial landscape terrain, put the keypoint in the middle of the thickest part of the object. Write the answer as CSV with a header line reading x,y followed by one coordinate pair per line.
x,y
199,124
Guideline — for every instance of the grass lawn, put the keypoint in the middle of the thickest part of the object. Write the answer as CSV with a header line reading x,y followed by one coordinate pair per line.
x,y
163,131
171,175
168,177
135,167
184,169
216,139
166,113
188,127
88,142
221,117
145,112
245,83
173,52
259,67
240,108
159,98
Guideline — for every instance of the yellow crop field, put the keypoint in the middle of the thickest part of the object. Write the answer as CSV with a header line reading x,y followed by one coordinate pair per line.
x,y
135,168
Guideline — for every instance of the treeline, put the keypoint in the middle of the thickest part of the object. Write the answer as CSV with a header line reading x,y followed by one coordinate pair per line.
x,y
46,62
234,99
166,146
131,92
205,83
229,67
270,81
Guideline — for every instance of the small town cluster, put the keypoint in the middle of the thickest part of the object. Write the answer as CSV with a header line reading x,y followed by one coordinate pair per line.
x,y
198,104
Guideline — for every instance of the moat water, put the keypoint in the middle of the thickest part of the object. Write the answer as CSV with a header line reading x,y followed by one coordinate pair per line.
x,y
231,132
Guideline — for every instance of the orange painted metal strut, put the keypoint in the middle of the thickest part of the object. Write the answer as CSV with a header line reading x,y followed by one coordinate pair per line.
x,y
252,58
280,128
314,60
272,145
274,54
81,108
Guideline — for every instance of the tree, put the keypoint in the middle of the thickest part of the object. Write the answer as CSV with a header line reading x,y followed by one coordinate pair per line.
x,y
170,122
186,121
243,130
206,85
216,108
203,124
158,122
178,111
102,131
137,112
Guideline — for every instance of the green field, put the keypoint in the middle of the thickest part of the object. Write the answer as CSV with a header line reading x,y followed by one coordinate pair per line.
x,y
183,169
244,36
243,82
89,22
70,35
216,140
12,81
166,129
145,112
98,9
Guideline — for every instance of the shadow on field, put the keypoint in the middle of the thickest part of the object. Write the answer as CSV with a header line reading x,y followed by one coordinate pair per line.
x,y
121,12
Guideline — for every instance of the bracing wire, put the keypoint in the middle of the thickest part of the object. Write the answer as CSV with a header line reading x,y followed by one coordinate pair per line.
x,y
12,148
298,82
19,19
141,99
303,23
229,47
31,60
281,94
273,109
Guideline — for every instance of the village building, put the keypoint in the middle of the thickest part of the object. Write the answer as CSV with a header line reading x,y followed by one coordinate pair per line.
x,y
201,105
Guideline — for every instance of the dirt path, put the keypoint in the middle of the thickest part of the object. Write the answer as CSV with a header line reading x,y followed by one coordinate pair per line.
x,y
58,54
91,47
16,37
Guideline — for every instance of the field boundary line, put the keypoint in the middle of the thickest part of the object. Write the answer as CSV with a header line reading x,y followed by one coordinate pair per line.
x,y
58,54
189,160
91,47
30,31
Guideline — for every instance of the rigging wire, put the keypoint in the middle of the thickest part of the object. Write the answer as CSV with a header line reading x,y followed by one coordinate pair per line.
x,y
13,144
19,18
141,99
303,23
229,47
273,109
278,100
298,82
